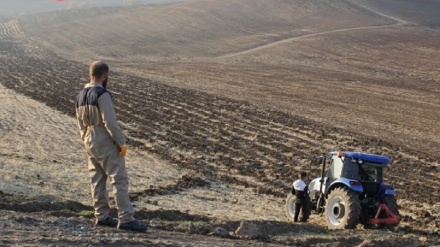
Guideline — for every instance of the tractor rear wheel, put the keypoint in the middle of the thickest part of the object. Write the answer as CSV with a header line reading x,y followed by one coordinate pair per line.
x,y
342,209
290,207
390,202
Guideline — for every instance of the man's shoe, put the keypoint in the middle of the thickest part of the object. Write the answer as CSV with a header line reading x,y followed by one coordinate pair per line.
x,y
109,221
133,226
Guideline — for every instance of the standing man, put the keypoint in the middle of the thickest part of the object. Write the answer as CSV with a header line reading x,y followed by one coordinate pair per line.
x,y
302,198
106,149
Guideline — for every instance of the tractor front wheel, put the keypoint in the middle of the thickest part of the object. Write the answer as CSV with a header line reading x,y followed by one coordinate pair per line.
x,y
342,209
290,207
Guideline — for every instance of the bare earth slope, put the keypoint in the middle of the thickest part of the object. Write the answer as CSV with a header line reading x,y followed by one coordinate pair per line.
x,y
224,102
203,28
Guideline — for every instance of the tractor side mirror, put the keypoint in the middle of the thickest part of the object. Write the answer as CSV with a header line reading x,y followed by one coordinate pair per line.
x,y
319,160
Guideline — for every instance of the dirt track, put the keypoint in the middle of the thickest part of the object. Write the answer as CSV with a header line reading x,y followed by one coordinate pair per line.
x,y
239,119
399,23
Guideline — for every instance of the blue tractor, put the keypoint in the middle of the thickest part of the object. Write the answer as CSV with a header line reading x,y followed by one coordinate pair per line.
x,y
351,191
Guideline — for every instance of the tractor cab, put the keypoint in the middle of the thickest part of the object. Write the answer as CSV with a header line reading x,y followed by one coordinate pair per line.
x,y
361,172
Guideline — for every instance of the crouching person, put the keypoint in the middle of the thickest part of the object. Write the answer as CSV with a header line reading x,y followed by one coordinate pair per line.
x,y
302,201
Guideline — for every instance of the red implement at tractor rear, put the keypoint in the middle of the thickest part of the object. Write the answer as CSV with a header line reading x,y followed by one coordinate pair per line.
x,y
390,219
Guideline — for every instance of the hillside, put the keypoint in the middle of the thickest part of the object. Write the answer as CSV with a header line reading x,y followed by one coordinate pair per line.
x,y
224,102
188,30
256,47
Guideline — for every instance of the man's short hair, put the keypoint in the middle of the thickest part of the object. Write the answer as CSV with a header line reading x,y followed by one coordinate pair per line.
x,y
303,175
98,68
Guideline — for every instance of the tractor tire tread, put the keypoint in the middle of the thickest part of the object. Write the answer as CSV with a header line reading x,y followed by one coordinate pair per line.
x,y
353,206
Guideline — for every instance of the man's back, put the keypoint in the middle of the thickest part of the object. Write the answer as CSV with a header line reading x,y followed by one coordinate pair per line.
x,y
94,107
87,107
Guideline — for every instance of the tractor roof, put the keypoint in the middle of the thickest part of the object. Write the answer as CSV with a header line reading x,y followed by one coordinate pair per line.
x,y
372,158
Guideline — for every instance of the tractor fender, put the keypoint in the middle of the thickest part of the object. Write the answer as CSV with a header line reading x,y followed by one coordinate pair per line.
x,y
354,185
385,189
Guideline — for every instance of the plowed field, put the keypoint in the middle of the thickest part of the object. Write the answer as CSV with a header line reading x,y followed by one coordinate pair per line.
x,y
259,103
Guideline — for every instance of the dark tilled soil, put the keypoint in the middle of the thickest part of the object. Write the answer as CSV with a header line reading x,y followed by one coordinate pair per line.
x,y
52,222
216,137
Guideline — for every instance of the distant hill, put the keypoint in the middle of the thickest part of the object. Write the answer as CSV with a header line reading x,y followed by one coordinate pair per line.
x,y
203,28
421,12
200,28
16,8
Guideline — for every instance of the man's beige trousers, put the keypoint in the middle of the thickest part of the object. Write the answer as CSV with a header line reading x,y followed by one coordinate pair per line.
x,y
104,162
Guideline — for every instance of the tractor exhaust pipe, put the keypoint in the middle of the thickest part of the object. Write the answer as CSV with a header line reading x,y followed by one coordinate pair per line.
x,y
320,206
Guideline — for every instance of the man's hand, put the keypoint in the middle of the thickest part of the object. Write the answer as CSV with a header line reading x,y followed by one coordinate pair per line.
x,y
123,151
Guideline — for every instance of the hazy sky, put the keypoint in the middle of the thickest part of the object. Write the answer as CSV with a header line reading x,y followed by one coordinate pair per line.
x,y
14,8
